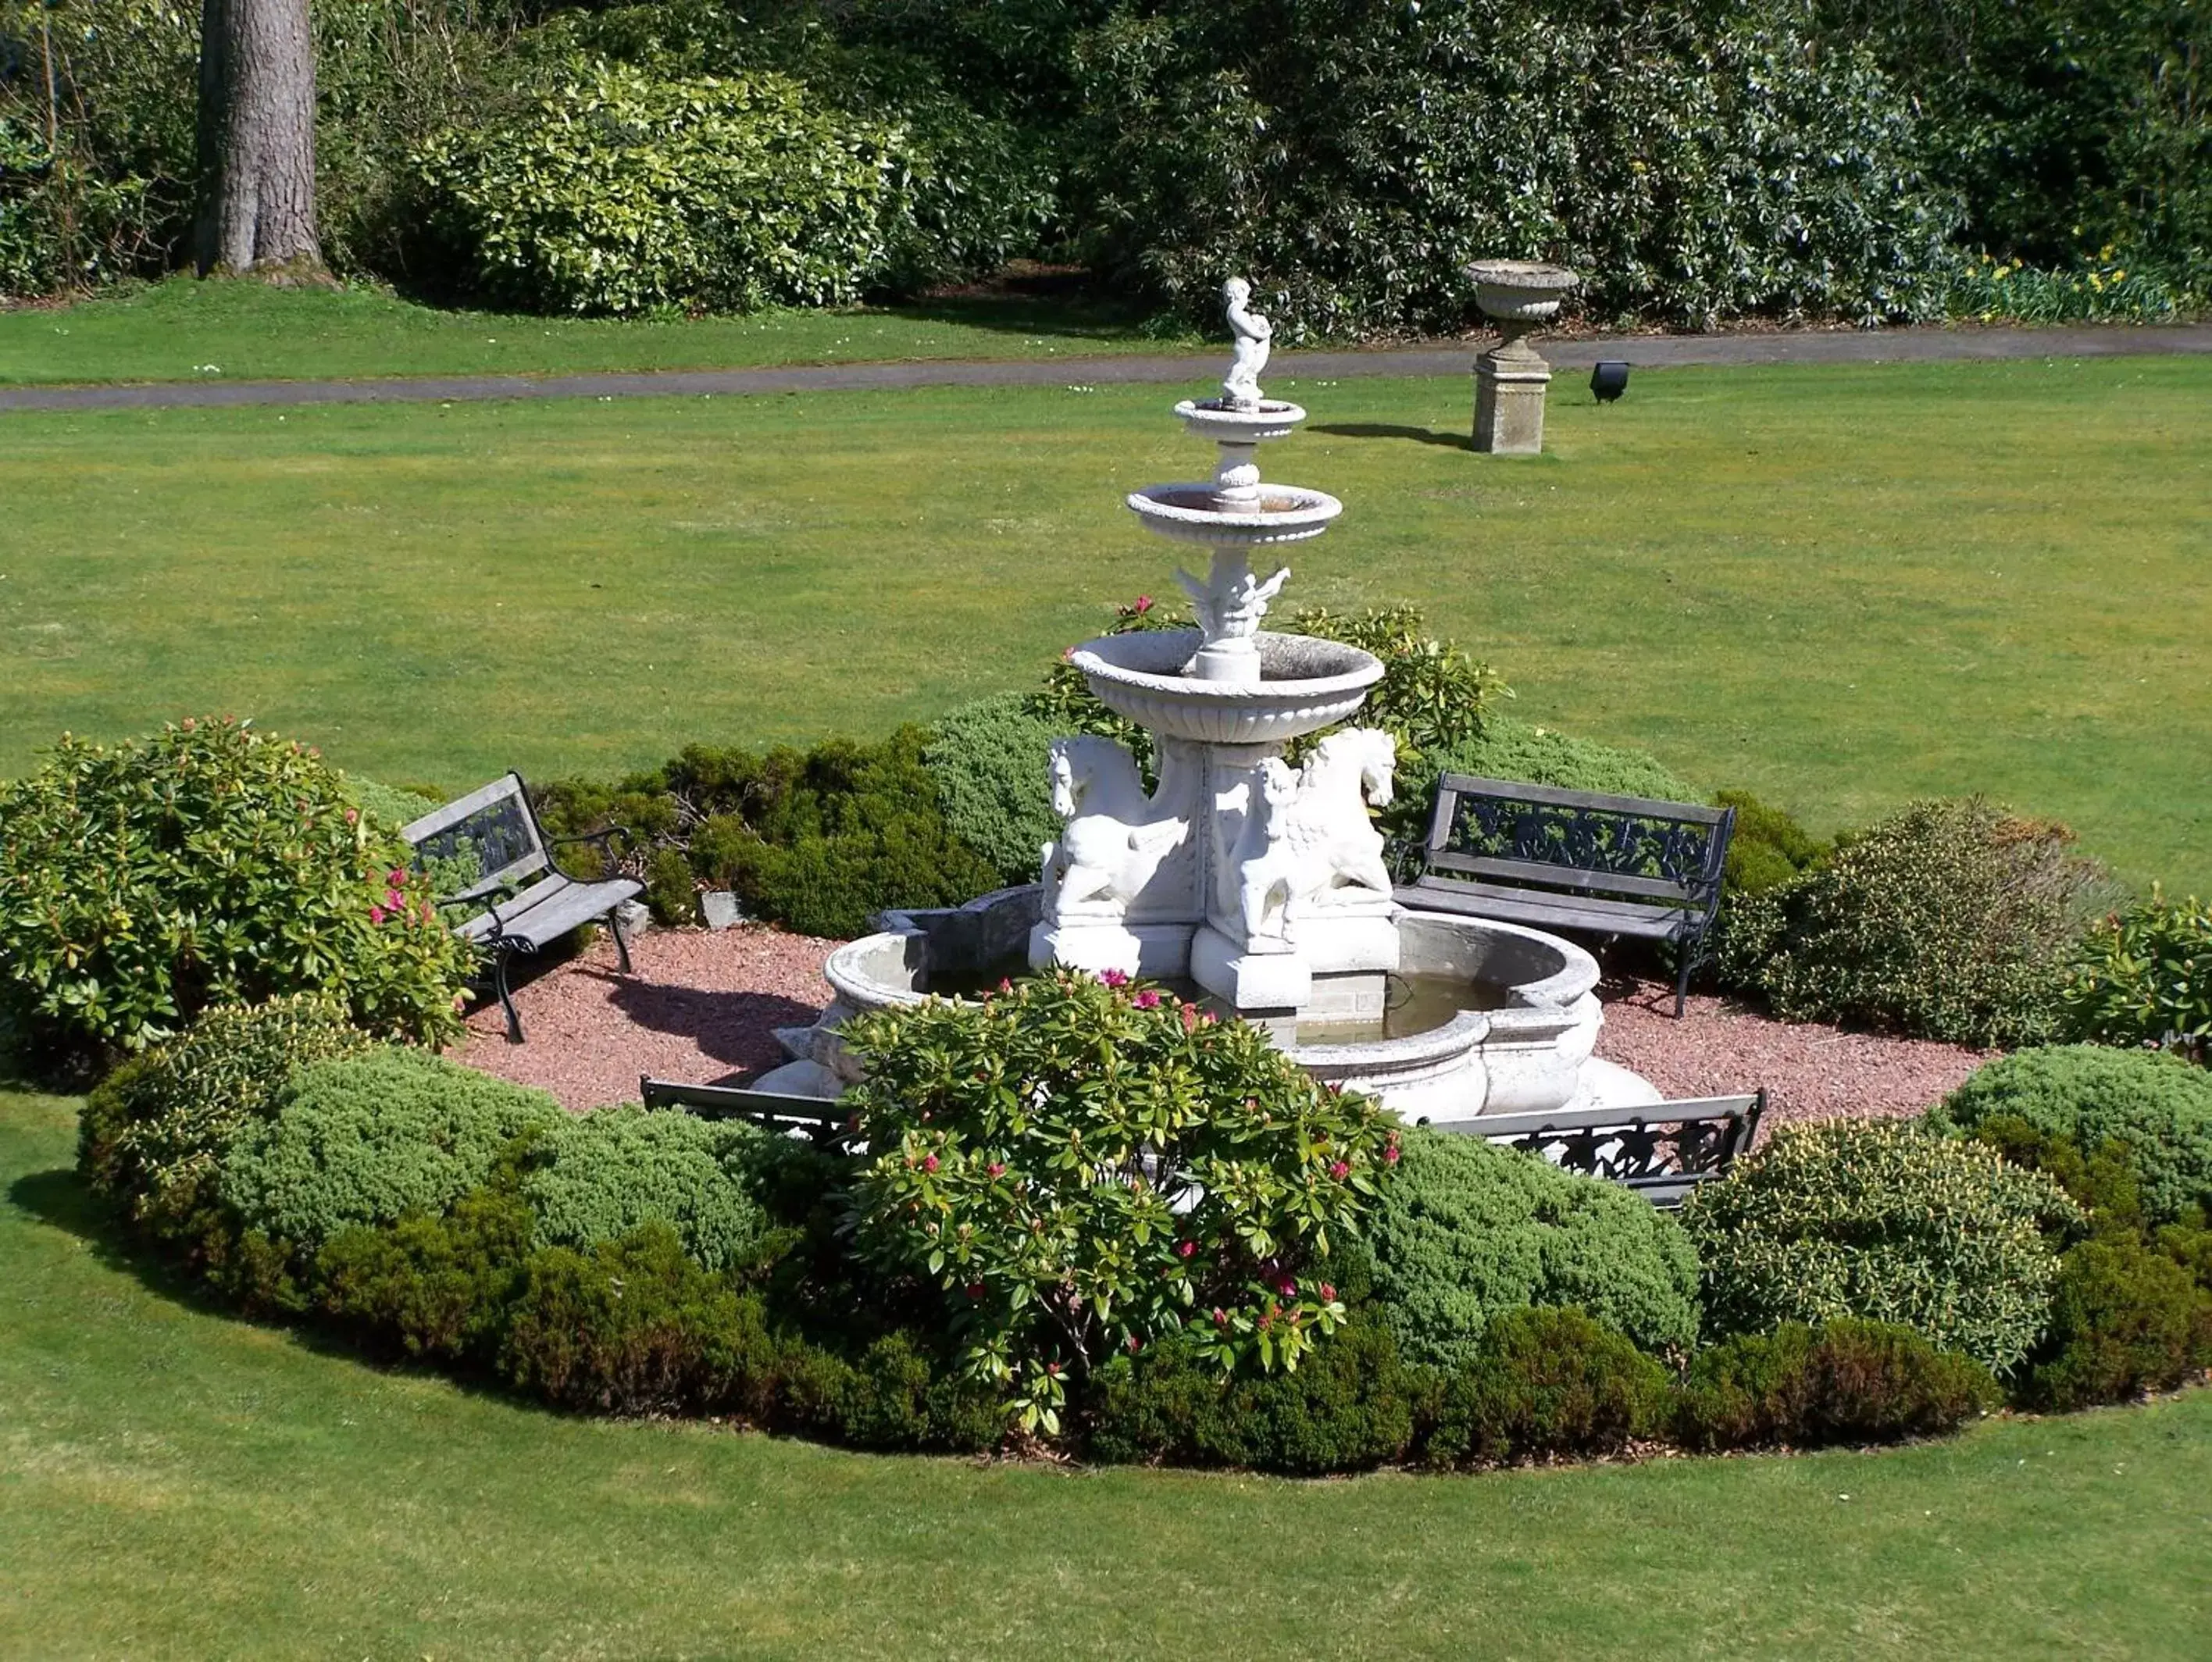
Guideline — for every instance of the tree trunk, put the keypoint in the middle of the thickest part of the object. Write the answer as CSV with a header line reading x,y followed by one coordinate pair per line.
x,y
257,139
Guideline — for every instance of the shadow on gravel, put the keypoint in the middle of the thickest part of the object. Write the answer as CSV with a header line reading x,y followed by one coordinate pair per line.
x,y
735,1028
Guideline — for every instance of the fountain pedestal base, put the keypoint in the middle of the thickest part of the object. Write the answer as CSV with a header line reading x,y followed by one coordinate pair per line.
x,y
1509,402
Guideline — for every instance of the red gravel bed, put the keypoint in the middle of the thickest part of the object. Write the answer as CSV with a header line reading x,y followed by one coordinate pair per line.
x,y
1810,1071
702,1006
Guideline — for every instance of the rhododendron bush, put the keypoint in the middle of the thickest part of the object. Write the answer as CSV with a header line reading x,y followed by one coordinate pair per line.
x,y
207,865
1082,1166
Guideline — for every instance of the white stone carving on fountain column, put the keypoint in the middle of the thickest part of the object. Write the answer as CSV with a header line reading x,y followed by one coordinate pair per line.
x,y
1122,880
1255,336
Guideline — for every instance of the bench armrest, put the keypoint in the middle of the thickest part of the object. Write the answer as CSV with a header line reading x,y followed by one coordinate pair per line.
x,y
603,837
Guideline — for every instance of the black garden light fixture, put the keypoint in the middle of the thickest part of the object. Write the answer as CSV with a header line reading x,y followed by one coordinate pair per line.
x,y
1608,381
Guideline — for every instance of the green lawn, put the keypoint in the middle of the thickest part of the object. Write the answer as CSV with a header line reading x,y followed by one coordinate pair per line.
x,y
175,1484
185,330
1838,587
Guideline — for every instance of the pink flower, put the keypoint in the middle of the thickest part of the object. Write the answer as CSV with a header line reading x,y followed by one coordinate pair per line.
x,y
395,878
1147,999
975,1289
997,1168
1340,1171
1190,1018
1114,978
1143,604
376,914
1328,1294
1220,1317
929,1163
1390,1155
1134,1343
1287,1287
1186,1248
1005,985
353,817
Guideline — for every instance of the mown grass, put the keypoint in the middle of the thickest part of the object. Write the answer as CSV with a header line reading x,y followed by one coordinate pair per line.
x,y
177,1483
1838,586
186,330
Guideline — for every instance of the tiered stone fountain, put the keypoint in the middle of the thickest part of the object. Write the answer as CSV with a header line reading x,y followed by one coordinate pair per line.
x,y
1258,887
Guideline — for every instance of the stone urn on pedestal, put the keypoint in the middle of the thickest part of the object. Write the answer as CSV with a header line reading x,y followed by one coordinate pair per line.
x,y
1519,296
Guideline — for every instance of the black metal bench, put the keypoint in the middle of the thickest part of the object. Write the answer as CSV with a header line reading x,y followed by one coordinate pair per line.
x,y
1661,1150
1577,860
819,1116
498,828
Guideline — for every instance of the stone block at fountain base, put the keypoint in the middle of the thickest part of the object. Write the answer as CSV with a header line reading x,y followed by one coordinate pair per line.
x,y
1152,952
1256,984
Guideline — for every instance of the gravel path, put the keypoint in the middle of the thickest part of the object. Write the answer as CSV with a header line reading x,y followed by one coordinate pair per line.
x,y
1643,351
1810,1071
701,1008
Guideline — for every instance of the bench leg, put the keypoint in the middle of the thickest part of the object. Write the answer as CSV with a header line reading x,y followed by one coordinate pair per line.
x,y
622,946
1688,954
506,996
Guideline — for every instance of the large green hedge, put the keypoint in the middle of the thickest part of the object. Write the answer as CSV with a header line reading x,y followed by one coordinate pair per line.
x,y
2159,1106
1464,1230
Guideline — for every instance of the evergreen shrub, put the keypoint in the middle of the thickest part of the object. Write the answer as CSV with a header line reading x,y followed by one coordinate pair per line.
x,y
1844,1381
1885,1222
1547,1381
2124,1318
2144,977
2158,1106
1466,1230
208,864
153,1132
429,1288
596,1176
1951,920
990,759
368,1139
1349,1406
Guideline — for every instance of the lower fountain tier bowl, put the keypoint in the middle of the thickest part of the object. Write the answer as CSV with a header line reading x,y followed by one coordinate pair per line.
x,y
1211,418
1521,291
1516,1037
1194,513
1305,684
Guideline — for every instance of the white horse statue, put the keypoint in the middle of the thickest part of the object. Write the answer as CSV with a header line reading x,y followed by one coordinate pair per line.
x,y
1115,836
1307,844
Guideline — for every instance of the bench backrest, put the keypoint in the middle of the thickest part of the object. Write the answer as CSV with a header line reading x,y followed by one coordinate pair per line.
x,y
1584,842
495,825
1661,1150
819,1116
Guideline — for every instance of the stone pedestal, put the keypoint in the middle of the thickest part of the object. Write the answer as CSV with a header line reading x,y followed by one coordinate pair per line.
x,y
1508,401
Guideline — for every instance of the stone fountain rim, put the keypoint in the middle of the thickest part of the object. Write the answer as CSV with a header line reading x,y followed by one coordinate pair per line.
x,y
1316,510
1271,416
1362,668
1537,276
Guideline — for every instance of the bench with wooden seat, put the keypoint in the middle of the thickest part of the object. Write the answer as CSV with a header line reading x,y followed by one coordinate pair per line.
x,y
1577,860
1661,1150
497,828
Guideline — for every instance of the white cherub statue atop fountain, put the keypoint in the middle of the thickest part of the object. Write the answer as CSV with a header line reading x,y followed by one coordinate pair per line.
x,y
1253,334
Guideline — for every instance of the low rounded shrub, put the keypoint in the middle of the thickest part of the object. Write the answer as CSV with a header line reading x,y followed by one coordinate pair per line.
x,y
1767,847
1466,1230
153,1132
1844,1381
1075,1165
1885,1221
1547,1382
2159,1106
990,759
2124,1320
2144,977
207,864
428,1288
1952,920
368,1139
1351,1405
594,1177
1509,748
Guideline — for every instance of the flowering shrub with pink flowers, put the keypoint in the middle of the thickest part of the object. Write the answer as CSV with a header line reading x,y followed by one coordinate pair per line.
x,y
206,864
1082,1167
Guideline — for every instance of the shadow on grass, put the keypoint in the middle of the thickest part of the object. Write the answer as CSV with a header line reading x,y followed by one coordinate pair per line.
x,y
58,1197
1420,435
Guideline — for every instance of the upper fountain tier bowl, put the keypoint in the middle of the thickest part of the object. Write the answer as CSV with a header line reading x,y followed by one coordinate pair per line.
x,y
1521,291
1305,684
1273,418
1198,511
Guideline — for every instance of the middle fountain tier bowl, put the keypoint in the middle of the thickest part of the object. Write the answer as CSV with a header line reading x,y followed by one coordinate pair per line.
x,y
1305,684
1262,516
